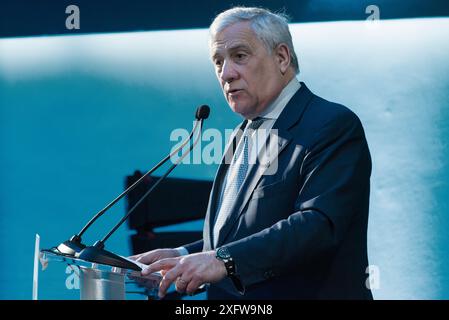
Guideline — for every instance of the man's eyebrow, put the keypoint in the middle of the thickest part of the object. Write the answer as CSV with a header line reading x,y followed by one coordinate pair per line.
x,y
238,47
232,48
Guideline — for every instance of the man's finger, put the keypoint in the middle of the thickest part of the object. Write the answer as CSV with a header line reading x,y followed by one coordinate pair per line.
x,y
160,265
168,279
181,284
147,259
192,287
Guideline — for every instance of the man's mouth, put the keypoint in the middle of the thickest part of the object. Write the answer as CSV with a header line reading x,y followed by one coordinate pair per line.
x,y
234,91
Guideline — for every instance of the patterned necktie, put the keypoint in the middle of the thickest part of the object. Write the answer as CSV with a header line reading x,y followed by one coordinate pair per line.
x,y
234,179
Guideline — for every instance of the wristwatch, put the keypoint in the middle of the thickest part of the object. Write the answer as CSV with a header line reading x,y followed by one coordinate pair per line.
x,y
223,254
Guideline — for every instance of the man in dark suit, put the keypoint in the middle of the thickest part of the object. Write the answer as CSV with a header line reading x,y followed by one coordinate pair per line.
x,y
292,223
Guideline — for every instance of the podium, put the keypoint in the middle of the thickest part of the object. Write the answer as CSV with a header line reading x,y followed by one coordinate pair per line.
x,y
103,282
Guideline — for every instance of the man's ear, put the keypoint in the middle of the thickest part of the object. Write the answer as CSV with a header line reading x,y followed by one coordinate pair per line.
x,y
282,53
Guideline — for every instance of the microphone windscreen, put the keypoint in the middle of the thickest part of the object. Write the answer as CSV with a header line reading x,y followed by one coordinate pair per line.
x,y
202,112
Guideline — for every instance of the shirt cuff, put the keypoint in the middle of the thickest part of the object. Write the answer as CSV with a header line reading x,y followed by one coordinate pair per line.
x,y
182,251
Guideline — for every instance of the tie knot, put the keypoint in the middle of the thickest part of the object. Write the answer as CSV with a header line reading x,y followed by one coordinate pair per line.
x,y
255,123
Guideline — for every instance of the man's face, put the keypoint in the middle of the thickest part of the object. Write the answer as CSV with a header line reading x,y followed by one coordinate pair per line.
x,y
249,75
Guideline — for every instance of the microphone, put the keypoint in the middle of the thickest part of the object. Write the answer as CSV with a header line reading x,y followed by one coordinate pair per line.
x,y
74,246
202,113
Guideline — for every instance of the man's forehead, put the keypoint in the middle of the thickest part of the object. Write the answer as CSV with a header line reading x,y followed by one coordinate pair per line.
x,y
238,35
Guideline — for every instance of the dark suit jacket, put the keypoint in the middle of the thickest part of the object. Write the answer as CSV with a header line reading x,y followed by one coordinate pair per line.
x,y
300,233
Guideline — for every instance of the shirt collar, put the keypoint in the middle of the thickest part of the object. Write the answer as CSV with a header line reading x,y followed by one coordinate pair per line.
x,y
275,108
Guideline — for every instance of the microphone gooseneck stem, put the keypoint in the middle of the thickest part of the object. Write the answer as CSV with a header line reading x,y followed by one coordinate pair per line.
x,y
101,242
130,188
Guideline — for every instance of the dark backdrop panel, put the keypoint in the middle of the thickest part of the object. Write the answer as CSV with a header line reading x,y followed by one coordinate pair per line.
x,y
175,200
47,17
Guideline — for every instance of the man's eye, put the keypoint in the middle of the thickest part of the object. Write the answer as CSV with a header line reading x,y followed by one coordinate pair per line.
x,y
218,63
240,56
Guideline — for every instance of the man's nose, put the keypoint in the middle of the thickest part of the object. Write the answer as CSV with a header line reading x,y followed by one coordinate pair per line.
x,y
228,72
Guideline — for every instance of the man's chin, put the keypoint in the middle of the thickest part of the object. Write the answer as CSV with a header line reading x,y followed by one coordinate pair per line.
x,y
240,109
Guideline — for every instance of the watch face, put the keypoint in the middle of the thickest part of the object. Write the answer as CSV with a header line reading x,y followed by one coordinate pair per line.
x,y
223,253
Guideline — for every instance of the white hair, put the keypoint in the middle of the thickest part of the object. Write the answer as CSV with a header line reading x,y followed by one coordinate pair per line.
x,y
270,28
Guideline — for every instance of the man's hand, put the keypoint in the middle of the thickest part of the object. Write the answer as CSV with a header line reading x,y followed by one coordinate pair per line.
x,y
188,272
155,255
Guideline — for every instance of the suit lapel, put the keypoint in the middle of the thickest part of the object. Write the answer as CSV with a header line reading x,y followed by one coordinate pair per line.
x,y
276,144
278,139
